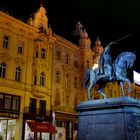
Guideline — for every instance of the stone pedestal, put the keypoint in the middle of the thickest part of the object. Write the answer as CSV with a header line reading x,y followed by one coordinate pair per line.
x,y
109,119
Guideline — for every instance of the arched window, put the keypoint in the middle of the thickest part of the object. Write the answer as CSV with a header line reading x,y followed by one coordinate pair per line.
x,y
35,78
67,59
67,81
18,74
36,52
87,64
57,77
58,55
43,53
75,100
6,41
2,70
40,28
20,47
42,79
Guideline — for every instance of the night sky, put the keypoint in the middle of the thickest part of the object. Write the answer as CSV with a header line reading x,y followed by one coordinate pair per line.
x,y
109,20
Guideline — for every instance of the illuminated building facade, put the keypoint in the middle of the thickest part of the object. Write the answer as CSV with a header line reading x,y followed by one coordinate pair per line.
x,y
42,74
25,76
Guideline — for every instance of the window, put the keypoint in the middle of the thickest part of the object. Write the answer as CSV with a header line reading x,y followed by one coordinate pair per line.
x,y
81,83
36,52
42,79
8,102
40,28
18,74
20,47
5,41
67,59
43,53
58,55
75,63
57,98
42,108
1,101
32,105
35,78
75,100
67,101
75,82
2,70
57,76
87,64
15,103
67,80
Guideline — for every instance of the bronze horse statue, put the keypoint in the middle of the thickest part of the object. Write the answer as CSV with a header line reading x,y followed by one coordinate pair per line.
x,y
118,73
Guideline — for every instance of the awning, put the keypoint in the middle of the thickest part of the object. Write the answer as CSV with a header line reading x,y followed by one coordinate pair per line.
x,y
41,127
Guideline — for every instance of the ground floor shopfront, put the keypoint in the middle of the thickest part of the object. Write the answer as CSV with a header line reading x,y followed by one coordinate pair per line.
x,y
38,130
7,128
37,127
31,130
66,126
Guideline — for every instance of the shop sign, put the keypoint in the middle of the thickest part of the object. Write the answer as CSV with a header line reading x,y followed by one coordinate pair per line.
x,y
9,115
40,118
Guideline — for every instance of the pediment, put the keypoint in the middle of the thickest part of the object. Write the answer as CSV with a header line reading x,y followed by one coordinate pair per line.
x,y
4,57
19,61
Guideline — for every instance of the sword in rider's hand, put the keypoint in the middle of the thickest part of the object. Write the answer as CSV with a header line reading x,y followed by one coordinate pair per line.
x,y
122,38
115,42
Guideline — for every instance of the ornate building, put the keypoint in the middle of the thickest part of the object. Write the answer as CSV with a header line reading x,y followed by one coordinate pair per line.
x,y
69,64
25,76
41,73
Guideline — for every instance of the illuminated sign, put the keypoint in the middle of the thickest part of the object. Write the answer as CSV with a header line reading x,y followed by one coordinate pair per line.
x,y
136,77
8,115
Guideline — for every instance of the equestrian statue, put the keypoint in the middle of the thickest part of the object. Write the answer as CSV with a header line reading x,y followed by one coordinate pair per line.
x,y
108,71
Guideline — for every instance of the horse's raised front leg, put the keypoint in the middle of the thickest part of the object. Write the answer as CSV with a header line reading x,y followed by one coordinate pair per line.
x,y
90,88
122,85
123,89
102,93
91,83
130,86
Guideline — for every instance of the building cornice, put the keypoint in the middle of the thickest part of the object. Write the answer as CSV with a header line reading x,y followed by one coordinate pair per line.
x,y
18,22
66,42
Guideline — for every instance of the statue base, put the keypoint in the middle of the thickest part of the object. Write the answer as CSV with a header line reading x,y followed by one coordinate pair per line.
x,y
109,119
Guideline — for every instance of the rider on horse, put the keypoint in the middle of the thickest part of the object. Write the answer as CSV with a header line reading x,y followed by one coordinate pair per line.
x,y
105,63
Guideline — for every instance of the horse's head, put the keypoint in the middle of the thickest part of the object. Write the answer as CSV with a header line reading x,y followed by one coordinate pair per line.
x,y
125,60
130,58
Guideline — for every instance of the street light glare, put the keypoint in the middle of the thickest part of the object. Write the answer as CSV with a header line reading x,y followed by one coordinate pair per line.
x,y
95,66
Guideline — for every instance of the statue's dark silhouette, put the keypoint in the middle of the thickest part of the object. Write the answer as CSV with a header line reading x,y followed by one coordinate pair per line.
x,y
108,71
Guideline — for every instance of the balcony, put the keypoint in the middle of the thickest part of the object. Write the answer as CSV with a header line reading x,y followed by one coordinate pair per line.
x,y
37,114
39,91
64,109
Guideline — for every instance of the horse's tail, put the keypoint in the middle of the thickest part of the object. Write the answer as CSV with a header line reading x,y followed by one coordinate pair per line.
x,y
87,78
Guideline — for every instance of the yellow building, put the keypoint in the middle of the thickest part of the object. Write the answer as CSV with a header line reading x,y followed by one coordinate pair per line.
x,y
42,74
68,67
25,76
